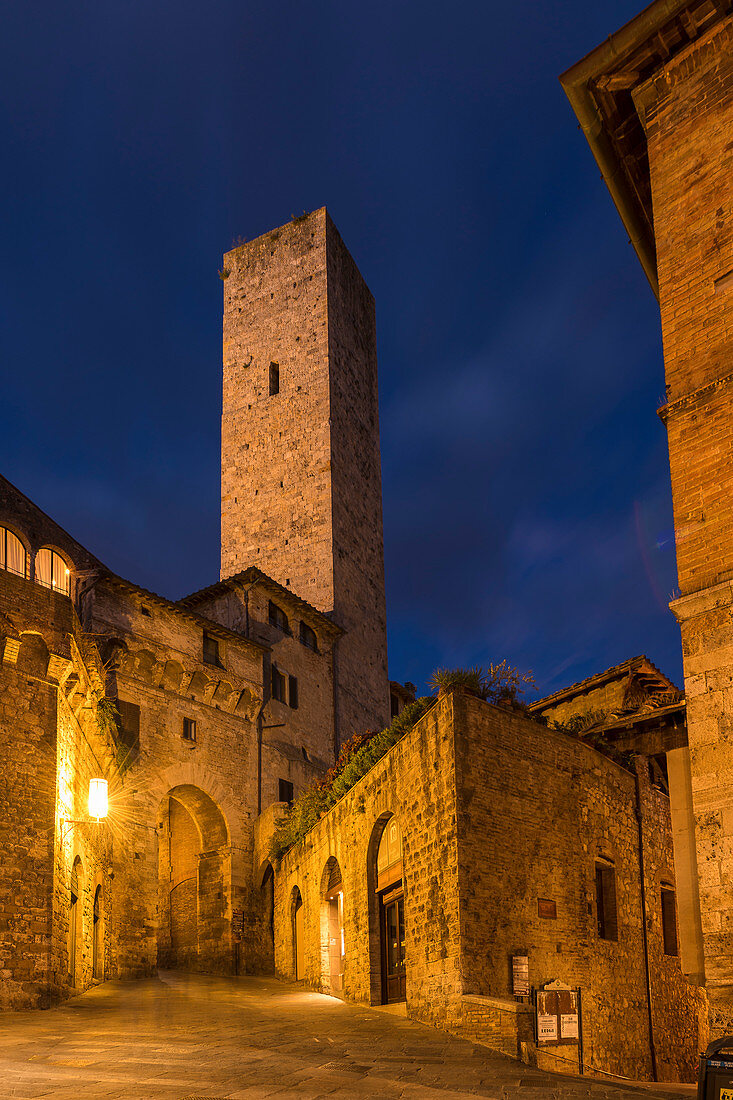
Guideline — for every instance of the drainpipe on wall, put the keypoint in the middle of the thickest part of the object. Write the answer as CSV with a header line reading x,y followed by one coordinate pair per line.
x,y
642,880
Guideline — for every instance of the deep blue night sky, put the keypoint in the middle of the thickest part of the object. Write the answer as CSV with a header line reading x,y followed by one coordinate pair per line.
x,y
526,485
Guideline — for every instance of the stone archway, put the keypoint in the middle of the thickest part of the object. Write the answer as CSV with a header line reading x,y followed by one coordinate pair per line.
x,y
333,946
195,877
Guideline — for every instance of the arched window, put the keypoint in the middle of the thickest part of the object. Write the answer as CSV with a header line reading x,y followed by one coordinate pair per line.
x,y
13,556
52,571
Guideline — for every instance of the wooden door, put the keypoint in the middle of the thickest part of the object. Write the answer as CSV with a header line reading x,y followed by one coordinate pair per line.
x,y
393,947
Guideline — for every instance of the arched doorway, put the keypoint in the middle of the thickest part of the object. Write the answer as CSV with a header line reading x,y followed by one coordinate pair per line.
x,y
194,865
76,938
263,941
98,935
333,943
298,926
391,901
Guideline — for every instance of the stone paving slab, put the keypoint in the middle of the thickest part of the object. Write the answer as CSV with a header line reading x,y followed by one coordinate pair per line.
x,y
193,1037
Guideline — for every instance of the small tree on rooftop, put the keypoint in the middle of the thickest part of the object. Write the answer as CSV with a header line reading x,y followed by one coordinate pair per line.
x,y
500,684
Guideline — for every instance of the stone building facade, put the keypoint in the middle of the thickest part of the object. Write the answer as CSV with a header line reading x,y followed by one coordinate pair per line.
x,y
482,835
504,826
656,104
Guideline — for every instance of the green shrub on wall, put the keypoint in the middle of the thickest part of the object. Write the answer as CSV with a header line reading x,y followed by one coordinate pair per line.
x,y
357,757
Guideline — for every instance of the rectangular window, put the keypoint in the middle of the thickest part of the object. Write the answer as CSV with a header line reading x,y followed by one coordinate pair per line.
x,y
394,704
277,686
606,901
669,921
189,729
274,379
293,692
211,651
308,637
285,790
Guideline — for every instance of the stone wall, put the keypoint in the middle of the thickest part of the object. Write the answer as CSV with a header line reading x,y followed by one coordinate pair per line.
x,y
415,781
687,110
497,812
536,809
301,479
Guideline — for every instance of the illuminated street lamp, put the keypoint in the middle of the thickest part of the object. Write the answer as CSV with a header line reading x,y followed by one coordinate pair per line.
x,y
98,798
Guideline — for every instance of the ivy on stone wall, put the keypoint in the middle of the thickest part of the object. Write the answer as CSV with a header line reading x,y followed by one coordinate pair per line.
x,y
358,755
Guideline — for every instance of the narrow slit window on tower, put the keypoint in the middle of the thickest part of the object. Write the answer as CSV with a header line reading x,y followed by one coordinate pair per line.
x,y
189,729
274,379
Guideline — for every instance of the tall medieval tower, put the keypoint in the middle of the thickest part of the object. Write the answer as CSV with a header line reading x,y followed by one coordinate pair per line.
x,y
301,494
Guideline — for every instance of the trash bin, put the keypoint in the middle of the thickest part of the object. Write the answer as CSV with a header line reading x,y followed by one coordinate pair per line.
x,y
715,1079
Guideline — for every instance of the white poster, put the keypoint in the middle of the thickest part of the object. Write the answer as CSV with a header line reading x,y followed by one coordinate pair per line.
x,y
569,1026
546,1028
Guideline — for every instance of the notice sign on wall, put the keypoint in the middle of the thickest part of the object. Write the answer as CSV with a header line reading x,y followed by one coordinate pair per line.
x,y
546,1028
557,1014
520,975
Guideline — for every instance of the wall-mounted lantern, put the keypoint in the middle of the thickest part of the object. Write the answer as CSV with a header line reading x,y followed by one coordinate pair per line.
x,y
98,805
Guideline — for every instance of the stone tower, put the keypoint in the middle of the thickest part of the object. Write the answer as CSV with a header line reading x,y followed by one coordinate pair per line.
x,y
301,490
656,104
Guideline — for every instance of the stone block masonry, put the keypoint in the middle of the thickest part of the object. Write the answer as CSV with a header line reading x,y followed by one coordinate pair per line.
x,y
687,110
498,813
301,476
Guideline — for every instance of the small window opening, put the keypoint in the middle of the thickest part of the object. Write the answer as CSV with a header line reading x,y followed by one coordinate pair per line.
x,y
285,791
277,685
308,637
606,901
394,704
277,617
212,656
293,692
274,379
189,729
669,921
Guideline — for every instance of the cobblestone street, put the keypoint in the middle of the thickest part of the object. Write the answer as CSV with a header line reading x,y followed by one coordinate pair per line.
x,y
188,1036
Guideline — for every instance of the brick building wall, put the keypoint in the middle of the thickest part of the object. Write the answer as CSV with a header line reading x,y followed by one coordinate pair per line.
x,y
301,479
497,812
687,109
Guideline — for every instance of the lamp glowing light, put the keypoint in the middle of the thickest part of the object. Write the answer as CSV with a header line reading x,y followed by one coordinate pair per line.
x,y
98,798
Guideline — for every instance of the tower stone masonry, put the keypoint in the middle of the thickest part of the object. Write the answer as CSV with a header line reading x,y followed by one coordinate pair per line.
x,y
301,494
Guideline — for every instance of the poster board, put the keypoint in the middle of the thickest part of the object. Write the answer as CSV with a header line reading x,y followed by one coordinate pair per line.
x,y
558,1016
